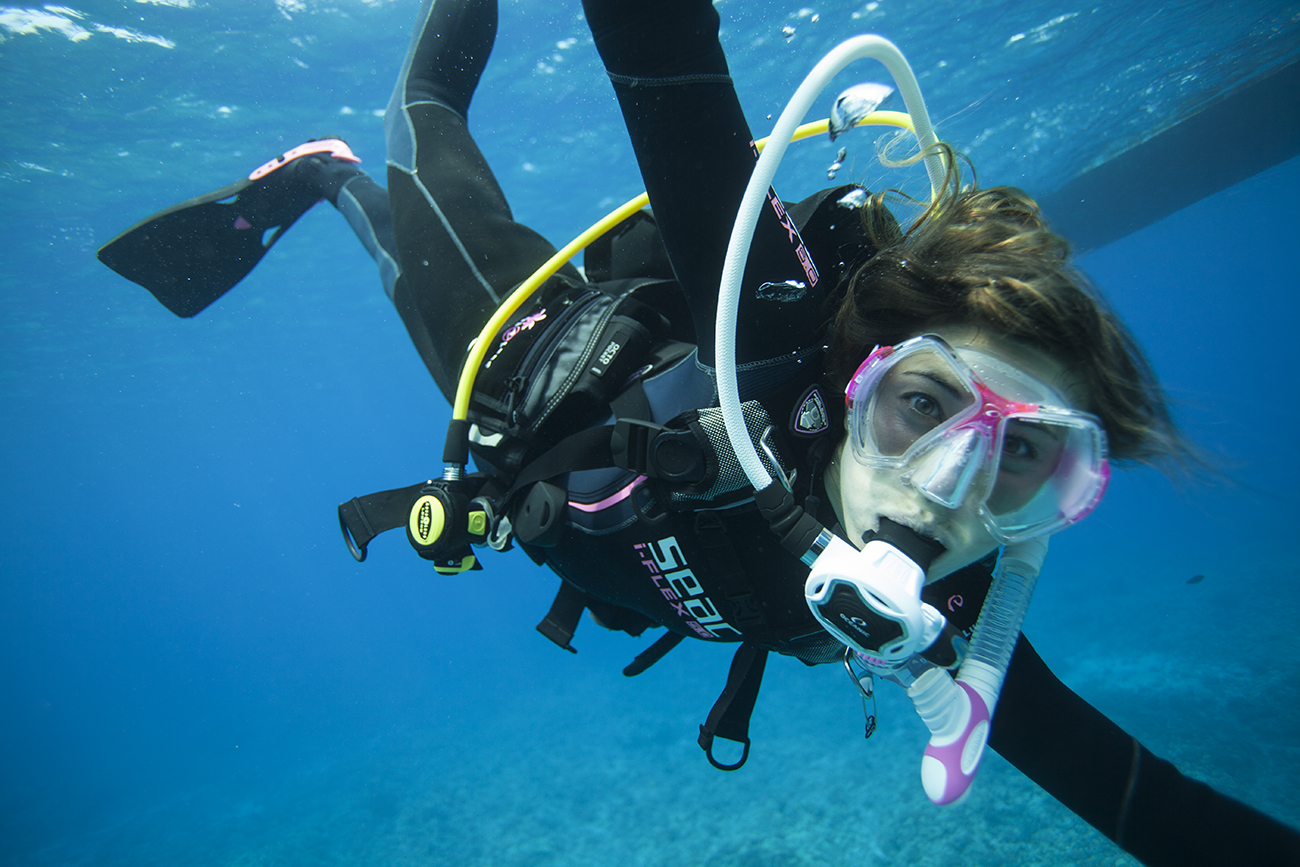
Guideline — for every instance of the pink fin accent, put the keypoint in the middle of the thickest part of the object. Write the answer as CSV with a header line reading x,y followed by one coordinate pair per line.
x,y
241,223
336,148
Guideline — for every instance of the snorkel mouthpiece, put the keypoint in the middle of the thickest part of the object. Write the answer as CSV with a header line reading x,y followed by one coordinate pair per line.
x,y
871,599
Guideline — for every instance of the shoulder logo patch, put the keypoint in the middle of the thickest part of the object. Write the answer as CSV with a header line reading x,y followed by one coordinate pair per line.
x,y
810,417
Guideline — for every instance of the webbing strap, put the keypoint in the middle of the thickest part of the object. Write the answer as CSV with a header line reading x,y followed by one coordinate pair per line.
x,y
725,564
633,403
653,653
561,621
729,718
363,518
586,450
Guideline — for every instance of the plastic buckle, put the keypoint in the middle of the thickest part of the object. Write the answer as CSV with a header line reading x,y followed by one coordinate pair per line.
x,y
653,450
630,444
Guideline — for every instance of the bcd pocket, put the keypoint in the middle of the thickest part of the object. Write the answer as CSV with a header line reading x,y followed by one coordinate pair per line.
x,y
556,368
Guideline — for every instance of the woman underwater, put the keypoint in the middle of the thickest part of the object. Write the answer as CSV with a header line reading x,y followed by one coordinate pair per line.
x,y
594,420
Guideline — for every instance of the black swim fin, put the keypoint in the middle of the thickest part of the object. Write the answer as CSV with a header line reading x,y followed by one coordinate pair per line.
x,y
191,254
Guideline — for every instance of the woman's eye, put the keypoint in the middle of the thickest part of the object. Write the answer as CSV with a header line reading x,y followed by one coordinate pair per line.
x,y
1019,447
924,404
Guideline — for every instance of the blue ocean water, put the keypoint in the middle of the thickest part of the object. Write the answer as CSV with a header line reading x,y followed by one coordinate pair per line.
x,y
195,672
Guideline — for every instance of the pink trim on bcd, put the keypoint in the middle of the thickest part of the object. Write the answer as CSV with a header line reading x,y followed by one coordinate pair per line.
x,y
610,500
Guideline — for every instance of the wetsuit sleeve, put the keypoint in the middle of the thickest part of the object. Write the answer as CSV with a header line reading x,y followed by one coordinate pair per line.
x,y
695,152
1118,786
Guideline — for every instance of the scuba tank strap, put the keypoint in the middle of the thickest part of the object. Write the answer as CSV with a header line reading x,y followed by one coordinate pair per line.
x,y
729,718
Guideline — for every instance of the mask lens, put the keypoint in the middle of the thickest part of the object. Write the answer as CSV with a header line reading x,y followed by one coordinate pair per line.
x,y
1051,472
1031,454
918,396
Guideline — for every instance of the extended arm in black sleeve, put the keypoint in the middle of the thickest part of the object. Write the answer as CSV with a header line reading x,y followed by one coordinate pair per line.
x,y
695,152
1118,786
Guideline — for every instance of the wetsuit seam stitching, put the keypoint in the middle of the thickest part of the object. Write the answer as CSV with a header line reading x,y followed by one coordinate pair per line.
x,y
404,79
380,251
455,238
439,103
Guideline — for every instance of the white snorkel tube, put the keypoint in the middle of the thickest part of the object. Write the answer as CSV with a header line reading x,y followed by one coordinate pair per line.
x,y
881,582
742,234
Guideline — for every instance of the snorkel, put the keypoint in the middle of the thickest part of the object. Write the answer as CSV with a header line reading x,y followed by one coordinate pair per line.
x,y
870,599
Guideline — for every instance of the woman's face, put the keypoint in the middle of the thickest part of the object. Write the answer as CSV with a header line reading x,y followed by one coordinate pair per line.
x,y
862,494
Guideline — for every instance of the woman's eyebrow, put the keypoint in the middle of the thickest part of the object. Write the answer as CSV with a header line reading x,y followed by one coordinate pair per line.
x,y
1026,426
933,377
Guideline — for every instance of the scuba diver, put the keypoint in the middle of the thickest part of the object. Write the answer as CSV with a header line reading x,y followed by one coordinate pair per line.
x,y
986,388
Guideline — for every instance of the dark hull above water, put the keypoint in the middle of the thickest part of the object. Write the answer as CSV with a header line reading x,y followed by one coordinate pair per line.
x,y
1238,135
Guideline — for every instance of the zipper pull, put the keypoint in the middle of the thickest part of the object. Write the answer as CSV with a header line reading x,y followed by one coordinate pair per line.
x,y
514,388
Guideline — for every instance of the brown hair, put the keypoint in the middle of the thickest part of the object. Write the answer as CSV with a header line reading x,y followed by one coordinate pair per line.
x,y
987,258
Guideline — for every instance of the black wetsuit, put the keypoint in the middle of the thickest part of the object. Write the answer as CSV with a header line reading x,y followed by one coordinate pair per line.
x,y
452,251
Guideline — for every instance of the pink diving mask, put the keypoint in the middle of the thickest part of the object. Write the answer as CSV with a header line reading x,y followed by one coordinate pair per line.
x,y
964,426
